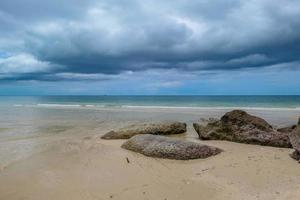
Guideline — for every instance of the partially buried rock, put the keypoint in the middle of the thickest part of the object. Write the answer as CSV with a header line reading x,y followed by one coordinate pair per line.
x,y
164,128
239,126
296,155
295,141
288,129
170,148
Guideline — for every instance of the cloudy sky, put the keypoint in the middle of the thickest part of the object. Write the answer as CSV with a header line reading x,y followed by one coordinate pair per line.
x,y
149,47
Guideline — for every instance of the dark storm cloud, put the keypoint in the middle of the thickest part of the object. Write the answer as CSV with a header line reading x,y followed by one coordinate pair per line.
x,y
64,40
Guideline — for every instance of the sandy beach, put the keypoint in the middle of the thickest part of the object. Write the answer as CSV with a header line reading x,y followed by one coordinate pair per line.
x,y
149,100
57,154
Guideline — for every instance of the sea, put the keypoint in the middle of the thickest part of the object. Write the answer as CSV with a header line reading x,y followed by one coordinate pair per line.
x,y
214,102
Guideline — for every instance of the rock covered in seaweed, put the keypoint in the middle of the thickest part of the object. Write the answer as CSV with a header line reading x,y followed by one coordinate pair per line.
x,y
170,148
163,128
239,126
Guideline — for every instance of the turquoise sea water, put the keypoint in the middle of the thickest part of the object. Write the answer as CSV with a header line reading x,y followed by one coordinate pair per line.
x,y
292,102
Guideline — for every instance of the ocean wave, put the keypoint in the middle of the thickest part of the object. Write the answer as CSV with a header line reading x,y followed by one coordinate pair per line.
x,y
213,107
89,106
57,105
114,106
18,105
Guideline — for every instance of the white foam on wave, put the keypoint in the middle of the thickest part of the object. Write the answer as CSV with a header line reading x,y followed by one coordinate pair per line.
x,y
89,105
212,107
57,105
101,106
18,105
23,105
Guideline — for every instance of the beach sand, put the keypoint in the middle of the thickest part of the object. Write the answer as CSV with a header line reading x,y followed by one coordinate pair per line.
x,y
62,157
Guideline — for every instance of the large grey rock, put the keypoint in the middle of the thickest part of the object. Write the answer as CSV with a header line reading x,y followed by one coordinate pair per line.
x,y
164,128
295,141
170,148
239,126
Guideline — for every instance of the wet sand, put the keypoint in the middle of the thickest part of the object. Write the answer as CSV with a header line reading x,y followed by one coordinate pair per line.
x,y
58,154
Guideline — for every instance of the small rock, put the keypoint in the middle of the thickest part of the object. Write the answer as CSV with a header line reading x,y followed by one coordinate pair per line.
x,y
287,129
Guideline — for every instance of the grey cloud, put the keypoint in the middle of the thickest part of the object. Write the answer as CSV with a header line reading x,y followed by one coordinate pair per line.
x,y
110,37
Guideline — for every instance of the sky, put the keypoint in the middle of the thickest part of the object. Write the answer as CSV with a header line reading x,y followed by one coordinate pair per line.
x,y
143,47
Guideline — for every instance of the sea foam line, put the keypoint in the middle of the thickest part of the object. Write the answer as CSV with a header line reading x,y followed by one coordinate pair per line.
x,y
98,106
213,107
57,105
54,105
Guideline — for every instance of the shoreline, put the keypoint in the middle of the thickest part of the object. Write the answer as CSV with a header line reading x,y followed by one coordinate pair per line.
x,y
105,107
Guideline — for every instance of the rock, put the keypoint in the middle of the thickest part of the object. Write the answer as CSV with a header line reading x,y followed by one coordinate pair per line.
x,y
287,129
295,141
296,155
295,138
170,148
166,128
239,126
241,119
